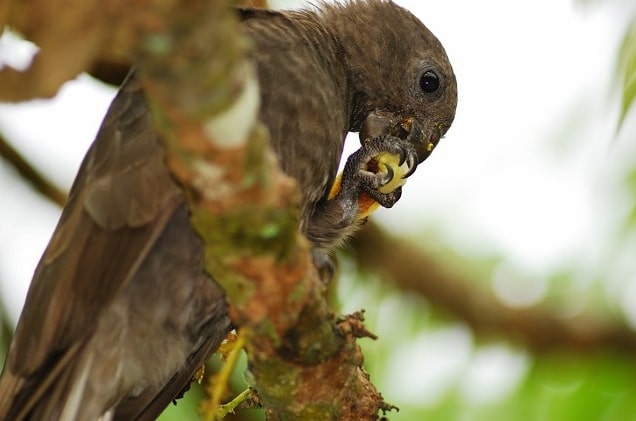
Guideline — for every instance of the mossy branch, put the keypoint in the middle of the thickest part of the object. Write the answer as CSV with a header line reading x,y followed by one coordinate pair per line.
x,y
303,364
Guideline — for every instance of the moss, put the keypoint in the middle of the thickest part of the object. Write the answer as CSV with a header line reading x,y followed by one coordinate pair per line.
x,y
267,329
248,231
278,378
316,411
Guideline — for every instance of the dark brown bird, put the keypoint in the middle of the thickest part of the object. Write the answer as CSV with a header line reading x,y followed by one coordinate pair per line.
x,y
120,312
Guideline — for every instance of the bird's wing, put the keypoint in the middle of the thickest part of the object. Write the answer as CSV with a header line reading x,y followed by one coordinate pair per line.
x,y
150,404
118,206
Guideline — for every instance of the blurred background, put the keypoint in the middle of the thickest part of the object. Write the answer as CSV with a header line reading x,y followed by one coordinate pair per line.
x,y
503,284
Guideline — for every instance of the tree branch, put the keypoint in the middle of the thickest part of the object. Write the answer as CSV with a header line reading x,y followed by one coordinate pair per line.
x,y
303,364
539,328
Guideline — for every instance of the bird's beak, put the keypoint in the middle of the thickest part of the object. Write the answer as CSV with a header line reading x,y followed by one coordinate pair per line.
x,y
376,124
424,143
380,123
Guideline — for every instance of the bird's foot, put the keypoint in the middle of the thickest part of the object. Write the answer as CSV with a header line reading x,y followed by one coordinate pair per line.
x,y
379,169
373,176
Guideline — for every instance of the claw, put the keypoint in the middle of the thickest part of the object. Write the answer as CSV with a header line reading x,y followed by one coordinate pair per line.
x,y
393,174
324,265
390,174
412,165
403,157
386,200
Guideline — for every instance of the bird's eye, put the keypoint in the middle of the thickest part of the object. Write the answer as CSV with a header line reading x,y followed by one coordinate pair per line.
x,y
429,82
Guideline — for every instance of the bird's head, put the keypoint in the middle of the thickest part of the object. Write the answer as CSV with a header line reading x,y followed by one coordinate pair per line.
x,y
397,71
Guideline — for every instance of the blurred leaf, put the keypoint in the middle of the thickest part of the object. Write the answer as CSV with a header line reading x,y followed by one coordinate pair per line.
x,y
186,407
627,69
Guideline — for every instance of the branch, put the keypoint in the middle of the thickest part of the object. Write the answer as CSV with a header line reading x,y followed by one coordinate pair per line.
x,y
30,174
204,95
539,328
72,36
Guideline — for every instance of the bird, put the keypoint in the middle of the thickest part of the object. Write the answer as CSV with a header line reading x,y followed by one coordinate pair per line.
x,y
120,312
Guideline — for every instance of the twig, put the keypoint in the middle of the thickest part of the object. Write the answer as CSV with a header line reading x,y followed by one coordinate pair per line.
x,y
240,399
30,174
211,408
6,331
